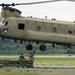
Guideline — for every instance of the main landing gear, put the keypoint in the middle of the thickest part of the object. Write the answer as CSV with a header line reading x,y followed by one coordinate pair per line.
x,y
29,47
42,47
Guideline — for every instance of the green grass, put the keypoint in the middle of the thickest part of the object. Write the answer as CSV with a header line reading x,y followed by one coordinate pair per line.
x,y
24,73
52,61
68,61
55,61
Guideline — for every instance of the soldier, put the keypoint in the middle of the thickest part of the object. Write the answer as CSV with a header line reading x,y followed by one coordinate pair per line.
x,y
31,56
21,57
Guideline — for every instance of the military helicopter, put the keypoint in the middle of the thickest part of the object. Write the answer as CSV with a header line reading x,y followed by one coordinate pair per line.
x,y
14,26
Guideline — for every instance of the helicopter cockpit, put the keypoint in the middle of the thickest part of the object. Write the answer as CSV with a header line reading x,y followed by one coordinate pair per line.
x,y
4,25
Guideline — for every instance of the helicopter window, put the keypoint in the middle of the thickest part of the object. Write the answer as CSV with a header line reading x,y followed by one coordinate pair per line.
x,y
21,26
5,30
3,21
6,23
70,31
38,28
54,29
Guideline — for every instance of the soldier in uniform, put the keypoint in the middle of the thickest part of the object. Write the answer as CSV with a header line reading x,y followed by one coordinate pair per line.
x,y
31,56
21,57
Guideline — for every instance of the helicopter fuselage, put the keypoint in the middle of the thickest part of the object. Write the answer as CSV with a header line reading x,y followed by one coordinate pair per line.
x,y
38,30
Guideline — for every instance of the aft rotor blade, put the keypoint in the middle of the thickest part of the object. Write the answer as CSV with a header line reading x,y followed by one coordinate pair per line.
x,y
70,0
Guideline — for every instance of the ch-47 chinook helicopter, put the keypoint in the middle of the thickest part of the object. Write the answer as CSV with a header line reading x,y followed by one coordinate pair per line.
x,y
14,26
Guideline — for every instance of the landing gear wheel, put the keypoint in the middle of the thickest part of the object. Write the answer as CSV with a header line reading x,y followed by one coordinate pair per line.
x,y
42,47
29,47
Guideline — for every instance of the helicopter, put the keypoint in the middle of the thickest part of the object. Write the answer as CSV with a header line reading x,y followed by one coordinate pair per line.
x,y
14,26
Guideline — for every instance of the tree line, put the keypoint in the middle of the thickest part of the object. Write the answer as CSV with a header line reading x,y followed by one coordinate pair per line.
x,y
9,47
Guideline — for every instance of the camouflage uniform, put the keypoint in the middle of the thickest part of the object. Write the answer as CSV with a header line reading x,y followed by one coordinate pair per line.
x,y
21,57
31,56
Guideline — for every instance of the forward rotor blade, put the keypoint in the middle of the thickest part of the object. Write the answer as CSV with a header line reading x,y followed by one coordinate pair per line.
x,y
30,3
37,2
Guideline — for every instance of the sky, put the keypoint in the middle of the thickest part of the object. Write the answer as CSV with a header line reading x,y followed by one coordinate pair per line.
x,y
61,10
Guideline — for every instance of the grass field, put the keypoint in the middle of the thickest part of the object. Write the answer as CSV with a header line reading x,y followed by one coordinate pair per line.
x,y
23,73
55,61
63,60
60,61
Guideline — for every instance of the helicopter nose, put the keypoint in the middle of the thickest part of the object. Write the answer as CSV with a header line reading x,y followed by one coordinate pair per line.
x,y
1,27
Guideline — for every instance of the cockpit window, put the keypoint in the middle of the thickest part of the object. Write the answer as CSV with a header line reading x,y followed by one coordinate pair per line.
x,y
21,26
6,23
3,21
